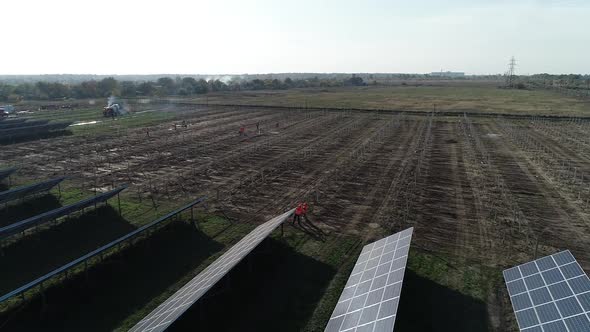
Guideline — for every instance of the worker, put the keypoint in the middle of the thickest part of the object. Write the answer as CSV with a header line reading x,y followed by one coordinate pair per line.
x,y
258,127
298,213
147,132
304,208
242,131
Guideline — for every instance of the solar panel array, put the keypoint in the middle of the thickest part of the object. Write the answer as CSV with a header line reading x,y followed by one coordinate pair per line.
x,y
6,172
550,294
167,312
98,251
24,191
371,296
32,130
15,124
54,214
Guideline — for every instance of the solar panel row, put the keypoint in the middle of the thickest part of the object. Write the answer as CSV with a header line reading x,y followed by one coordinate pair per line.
x,y
371,296
16,124
35,129
166,313
98,251
57,213
6,172
550,294
24,191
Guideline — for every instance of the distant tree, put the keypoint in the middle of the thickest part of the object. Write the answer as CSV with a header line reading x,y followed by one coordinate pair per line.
x,y
258,84
201,87
355,80
128,89
188,86
108,87
87,89
146,89
217,85
52,90
167,85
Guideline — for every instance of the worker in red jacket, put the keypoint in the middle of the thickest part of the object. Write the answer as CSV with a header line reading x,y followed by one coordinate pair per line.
x,y
304,208
298,213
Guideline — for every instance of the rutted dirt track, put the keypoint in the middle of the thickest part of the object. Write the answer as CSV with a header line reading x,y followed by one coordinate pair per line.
x,y
475,189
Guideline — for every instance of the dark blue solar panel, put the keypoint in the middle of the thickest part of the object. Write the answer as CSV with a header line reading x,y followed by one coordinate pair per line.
x,y
57,213
534,281
512,274
578,323
559,294
6,172
560,290
546,263
569,306
528,269
24,191
564,257
571,270
98,251
557,326
527,318
521,301
540,296
516,287
548,312
552,276
585,301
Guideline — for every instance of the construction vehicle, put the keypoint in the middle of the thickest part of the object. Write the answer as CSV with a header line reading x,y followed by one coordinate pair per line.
x,y
113,110
5,110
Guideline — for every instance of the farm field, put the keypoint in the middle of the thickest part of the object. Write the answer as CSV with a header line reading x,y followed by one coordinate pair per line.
x,y
452,96
482,193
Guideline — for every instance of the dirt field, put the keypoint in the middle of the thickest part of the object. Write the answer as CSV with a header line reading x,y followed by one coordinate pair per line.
x,y
481,193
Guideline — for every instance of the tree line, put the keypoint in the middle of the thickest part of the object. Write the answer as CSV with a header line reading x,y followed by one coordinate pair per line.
x,y
164,86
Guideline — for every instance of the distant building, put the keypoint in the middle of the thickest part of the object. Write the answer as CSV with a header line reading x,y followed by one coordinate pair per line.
x,y
447,74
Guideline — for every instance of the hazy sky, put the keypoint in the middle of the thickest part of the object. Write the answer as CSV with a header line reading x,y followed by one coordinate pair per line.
x,y
263,36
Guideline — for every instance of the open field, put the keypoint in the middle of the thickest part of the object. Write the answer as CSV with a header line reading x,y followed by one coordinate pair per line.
x,y
481,193
471,97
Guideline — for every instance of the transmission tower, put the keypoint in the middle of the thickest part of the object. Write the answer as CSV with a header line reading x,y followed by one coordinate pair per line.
x,y
510,76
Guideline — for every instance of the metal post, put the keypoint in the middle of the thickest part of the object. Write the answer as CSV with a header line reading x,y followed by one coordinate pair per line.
x,y
119,203
536,248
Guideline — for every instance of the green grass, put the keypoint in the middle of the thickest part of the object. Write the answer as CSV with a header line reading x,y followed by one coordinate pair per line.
x,y
443,293
104,125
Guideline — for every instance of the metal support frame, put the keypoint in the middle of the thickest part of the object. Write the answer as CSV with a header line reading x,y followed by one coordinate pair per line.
x,y
119,203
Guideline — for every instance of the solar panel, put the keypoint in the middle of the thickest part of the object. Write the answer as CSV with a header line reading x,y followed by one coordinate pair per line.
x,y
167,312
27,190
370,298
54,214
550,294
6,172
13,124
98,251
32,130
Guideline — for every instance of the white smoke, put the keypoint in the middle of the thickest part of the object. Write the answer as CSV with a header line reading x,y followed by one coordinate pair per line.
x,y
111,101
223,78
